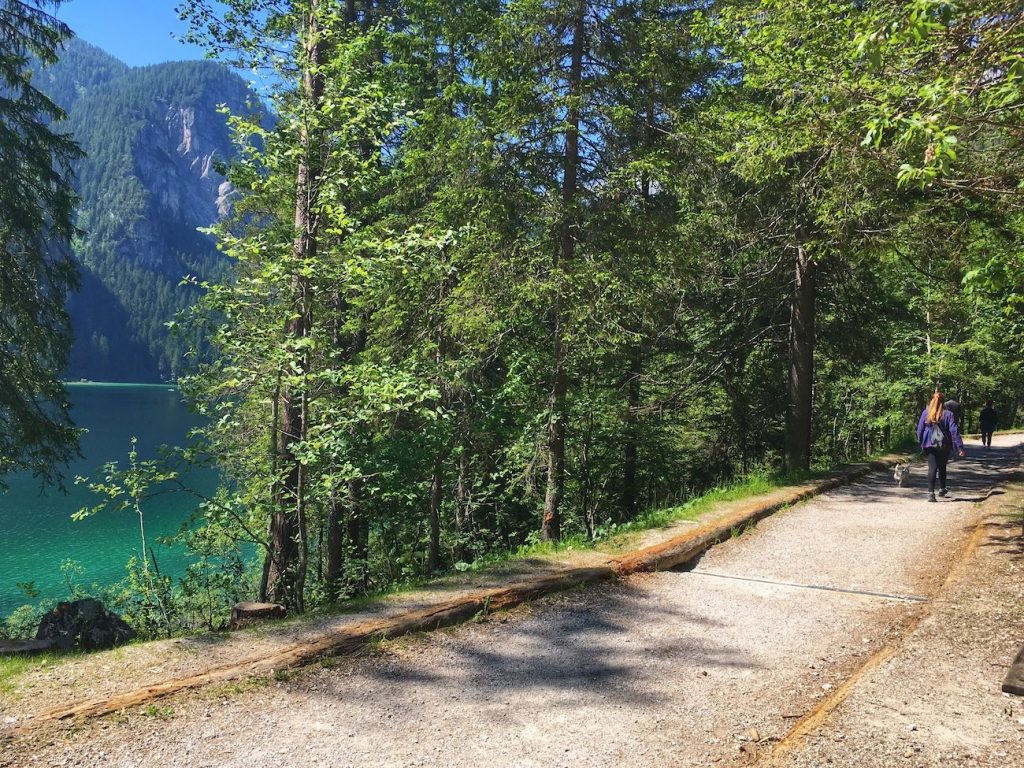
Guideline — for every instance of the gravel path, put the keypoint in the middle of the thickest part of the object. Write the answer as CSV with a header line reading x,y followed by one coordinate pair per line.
x,y
937,701
98,675
691,668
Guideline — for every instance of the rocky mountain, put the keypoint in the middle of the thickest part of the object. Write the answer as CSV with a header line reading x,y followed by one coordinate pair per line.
x,y
154,138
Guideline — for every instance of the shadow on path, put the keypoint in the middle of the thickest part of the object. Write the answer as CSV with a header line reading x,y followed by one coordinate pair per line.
x,y
1006,538
574,646
970,479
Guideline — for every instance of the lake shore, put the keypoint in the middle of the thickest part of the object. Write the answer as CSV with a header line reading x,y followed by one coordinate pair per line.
x,y
115,384
44,547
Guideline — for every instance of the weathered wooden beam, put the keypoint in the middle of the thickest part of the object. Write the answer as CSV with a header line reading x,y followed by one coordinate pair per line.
x,y
1014,682
674,553
341,642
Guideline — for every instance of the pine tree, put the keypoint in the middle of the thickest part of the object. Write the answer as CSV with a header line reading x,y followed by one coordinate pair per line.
x,y
36,269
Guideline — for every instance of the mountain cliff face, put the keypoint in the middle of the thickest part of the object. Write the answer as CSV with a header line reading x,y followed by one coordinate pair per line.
x,y
154,140
176,160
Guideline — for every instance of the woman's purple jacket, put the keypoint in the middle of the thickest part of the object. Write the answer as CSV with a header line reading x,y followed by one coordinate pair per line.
x,y
948,425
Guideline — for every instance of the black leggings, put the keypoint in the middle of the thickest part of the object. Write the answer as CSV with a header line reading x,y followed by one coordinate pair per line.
x,y
986,438
936,463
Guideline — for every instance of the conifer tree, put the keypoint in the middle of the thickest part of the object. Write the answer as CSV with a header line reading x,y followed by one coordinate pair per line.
x,y
36,268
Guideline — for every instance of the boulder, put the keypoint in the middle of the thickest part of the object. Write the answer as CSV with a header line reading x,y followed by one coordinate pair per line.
x,y
84,624
244,614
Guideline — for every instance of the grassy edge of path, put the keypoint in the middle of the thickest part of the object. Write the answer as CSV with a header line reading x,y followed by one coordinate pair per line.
x,y
722,521
614,541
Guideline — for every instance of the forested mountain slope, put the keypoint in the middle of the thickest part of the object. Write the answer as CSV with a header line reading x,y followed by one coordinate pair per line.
x,y
153,138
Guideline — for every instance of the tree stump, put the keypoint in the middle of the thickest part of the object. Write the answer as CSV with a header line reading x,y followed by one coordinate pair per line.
x,y
244,614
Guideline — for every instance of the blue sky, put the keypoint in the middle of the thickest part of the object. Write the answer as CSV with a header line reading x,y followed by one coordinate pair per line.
x,y
138,32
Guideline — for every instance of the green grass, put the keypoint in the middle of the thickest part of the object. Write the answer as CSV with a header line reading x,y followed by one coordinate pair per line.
x,y
234,687
12,667
160,713
754,485
612,540
620,537
623,537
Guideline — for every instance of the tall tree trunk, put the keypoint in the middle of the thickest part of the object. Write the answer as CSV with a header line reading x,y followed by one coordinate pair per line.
x,y
437,475
801,364
338,511
283,558
335,548
463,502
436,497
738,406
630,492
302,556
344,517
286,559
551,524
275,455
358,532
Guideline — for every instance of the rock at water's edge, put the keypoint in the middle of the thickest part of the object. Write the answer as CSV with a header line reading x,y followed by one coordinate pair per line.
x,y
24,647
85,624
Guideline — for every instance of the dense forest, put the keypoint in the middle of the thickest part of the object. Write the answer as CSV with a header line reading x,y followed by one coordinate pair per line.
x,y
516,274
509,272
152,139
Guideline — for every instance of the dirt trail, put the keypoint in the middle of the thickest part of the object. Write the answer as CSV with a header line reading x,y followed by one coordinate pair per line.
x,y
103,683
936,700
710,666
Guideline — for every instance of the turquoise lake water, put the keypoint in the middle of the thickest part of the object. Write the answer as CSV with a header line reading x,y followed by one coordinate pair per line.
x,y
36,530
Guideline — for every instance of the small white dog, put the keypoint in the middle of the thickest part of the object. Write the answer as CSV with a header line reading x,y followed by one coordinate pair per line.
x,y
901,473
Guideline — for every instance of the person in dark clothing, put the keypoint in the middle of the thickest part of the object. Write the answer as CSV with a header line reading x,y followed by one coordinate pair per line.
x,y
987,421
938,435
953,407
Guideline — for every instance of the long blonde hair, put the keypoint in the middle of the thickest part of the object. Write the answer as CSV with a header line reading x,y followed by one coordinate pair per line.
x,y
935,409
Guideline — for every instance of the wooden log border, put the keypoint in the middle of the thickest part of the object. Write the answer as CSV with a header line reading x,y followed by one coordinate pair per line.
x,y
678,552
1014,681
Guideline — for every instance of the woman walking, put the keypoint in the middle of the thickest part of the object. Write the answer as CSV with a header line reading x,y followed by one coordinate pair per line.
x,y
938,435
